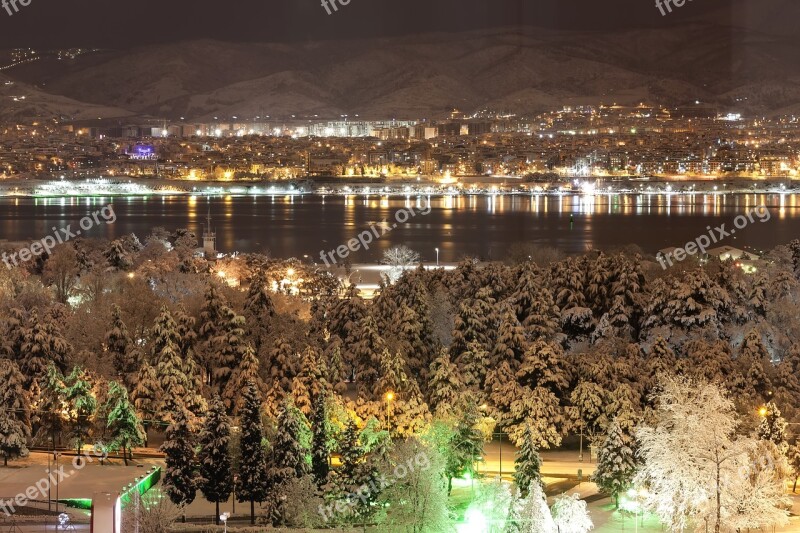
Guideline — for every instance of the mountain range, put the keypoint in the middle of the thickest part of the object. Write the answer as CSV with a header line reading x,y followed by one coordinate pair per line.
x,y
521,70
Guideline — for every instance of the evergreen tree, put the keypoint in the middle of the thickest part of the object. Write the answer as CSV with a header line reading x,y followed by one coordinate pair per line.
x,y
210,327
165,336
259,309
146,396
82,406
252,480
773,426
126,428
246,372
124,356
336,367
320,442
42,344
309,382
180,476
174,386
52,403
472,365
366,356
13,436
511,341
216,470
446,389
230,346
289,459
616,464
528,464
465,446
15,399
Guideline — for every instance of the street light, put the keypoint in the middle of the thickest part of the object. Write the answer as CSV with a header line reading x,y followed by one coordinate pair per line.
x,y
389,398
224,518
437,257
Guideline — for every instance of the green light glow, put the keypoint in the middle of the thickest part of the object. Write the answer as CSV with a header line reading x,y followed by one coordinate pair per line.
x,y
141,487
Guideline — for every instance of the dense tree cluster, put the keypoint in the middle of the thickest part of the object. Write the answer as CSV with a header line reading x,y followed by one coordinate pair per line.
x,y
129,337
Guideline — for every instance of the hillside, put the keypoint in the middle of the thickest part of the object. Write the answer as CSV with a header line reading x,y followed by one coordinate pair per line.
x,y
520,70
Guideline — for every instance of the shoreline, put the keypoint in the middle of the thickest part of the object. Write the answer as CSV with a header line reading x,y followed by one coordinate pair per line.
x,y
146,187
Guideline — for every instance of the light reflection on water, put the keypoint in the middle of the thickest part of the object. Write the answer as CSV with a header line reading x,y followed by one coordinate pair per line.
x,y
459,225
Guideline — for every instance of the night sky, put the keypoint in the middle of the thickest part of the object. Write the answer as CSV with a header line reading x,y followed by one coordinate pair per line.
x,y
119,24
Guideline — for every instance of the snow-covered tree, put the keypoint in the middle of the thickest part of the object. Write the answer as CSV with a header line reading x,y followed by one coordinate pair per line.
x,y
180,477
693,465
527,465
773,426
416,501
511,340
251,485
310,380
12,438
123,352
290,456
446,389
15,399
51,405
230,347
216,471
320,442
126,428
399,259
42,344
146,396
82,406
616,464
570,514
531,514
246,372
465,446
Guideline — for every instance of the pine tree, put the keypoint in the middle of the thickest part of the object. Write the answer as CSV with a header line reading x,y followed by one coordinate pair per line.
x,y
472,365
528,464
251,485
320,442
773,426
366,355
52,403
126,428
511,341
465,446
230,346
246,372
15,399
124,356
42,344
82,406
210,327
165,335
174,386
289,459
336,368
146,396
616,464
309,382
180,477
446,389
216,470
13,436
259,309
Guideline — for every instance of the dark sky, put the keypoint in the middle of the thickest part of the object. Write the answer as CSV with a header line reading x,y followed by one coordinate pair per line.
x,y
124,24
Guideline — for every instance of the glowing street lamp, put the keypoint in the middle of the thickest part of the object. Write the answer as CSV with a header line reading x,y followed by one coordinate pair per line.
x,y
389,398
437,257
763,412
224,519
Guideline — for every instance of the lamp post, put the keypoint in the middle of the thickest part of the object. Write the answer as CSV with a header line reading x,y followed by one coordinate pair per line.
x,y
224,518
389,398
437,257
